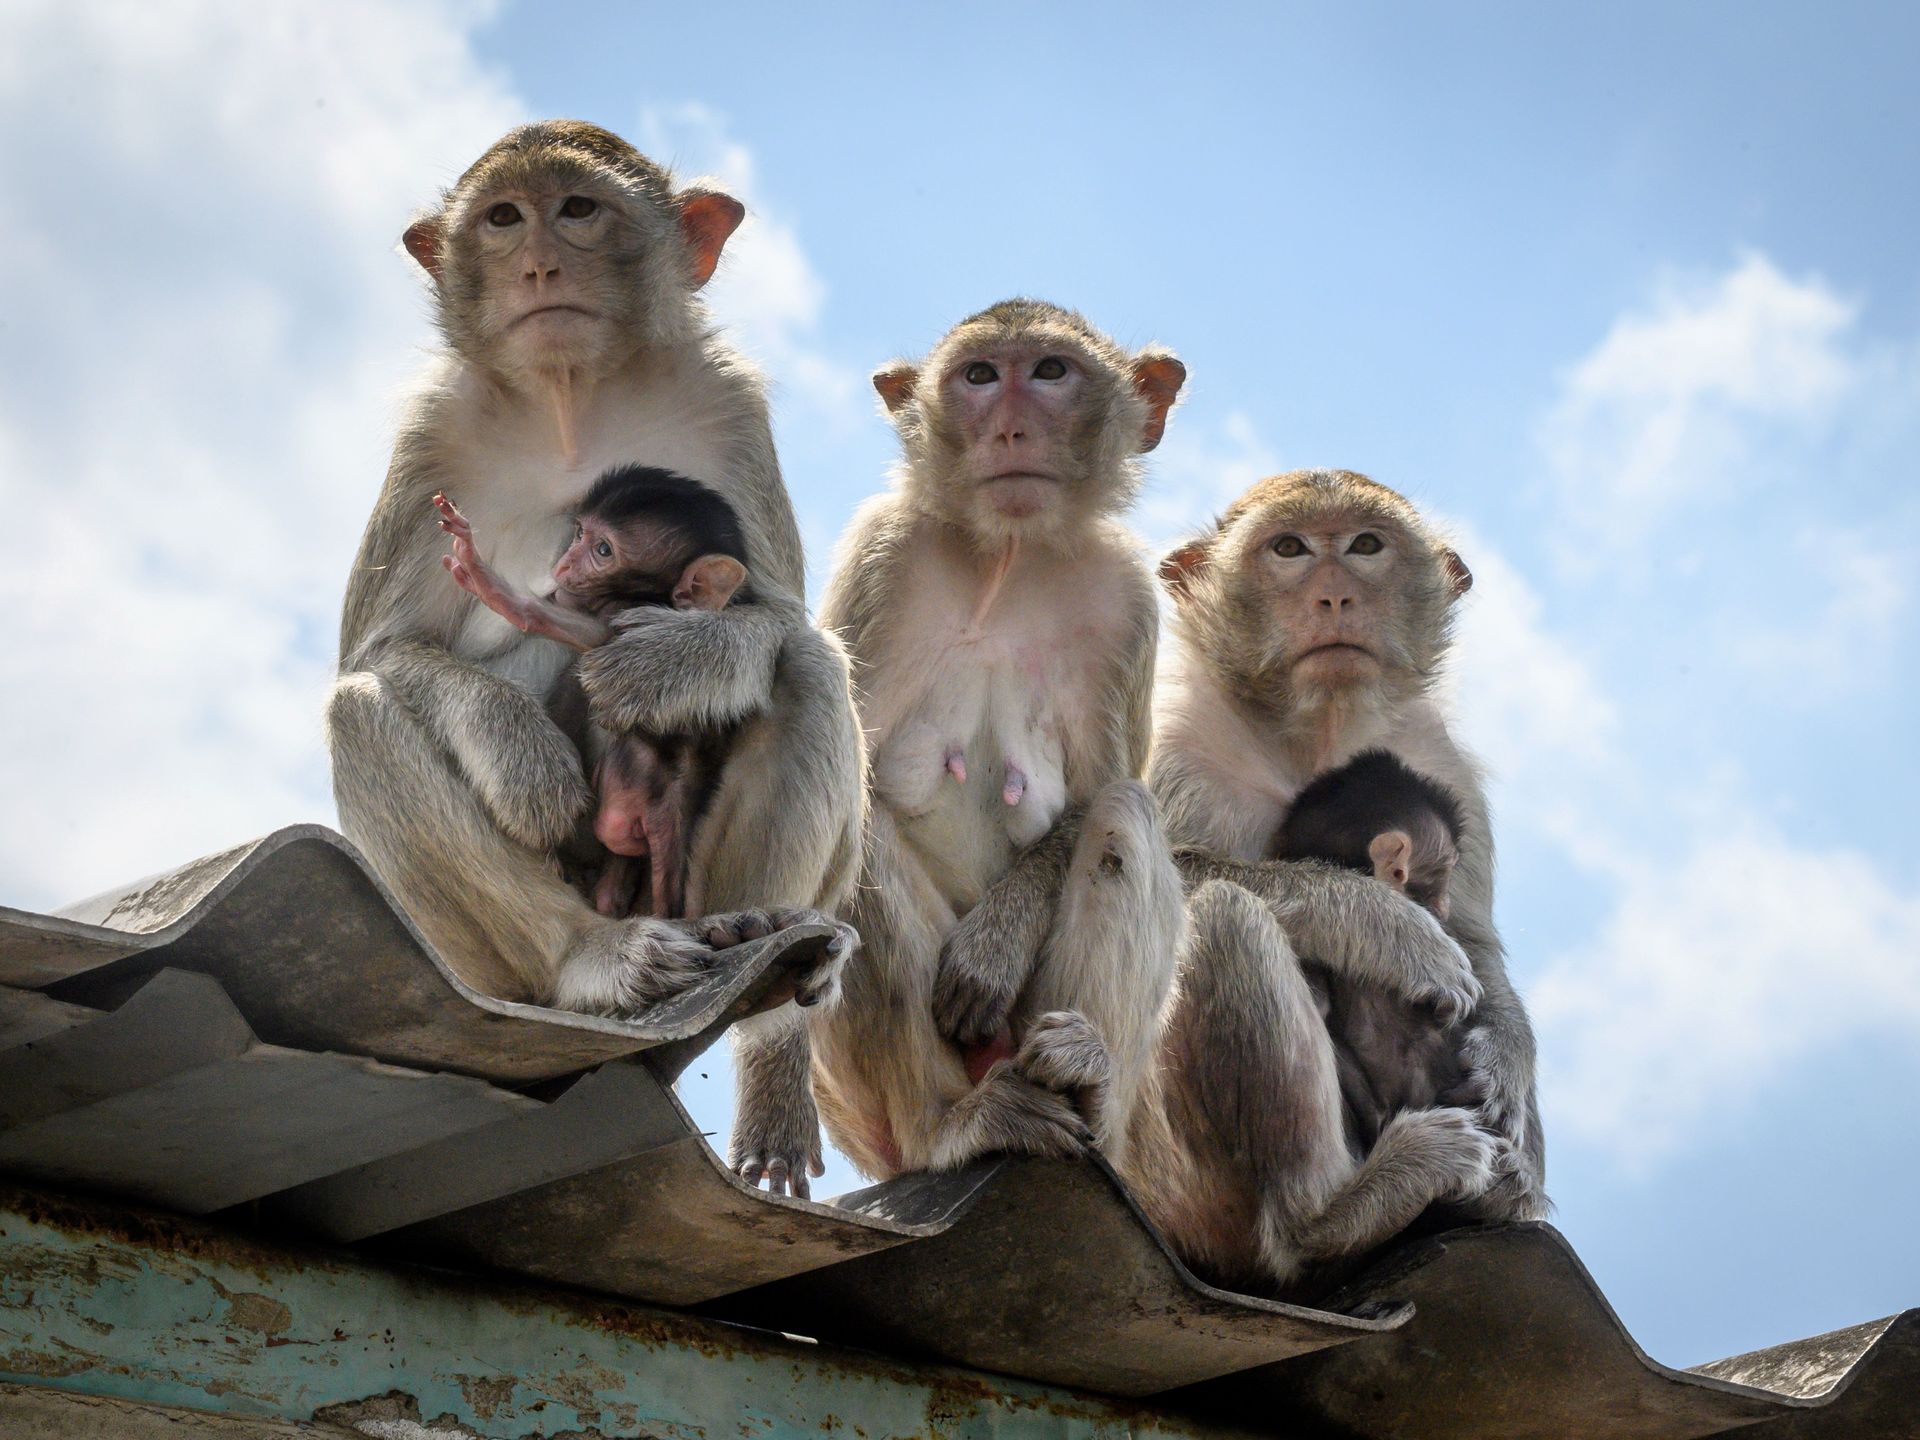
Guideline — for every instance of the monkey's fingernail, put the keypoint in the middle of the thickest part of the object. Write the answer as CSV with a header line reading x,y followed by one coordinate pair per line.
x,y
837,946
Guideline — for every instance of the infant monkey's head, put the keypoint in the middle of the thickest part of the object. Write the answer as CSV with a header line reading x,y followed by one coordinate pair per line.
x,y
647,536
1377,815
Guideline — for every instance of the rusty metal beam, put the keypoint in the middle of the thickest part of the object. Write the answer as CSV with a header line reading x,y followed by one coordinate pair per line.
x,y
97,1300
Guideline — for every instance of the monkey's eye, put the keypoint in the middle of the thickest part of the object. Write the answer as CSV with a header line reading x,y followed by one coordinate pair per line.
x,y
504,214
1366,543
1289,546
980,373
1051,368
578,207
603,550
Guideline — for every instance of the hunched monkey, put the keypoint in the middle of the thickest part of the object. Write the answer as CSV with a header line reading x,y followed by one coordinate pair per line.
x,y
642,536
1378,816
1004,627
1310,623
566,267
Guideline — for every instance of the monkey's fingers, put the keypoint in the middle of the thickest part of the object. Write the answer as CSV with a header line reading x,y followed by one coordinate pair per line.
x,y
451,520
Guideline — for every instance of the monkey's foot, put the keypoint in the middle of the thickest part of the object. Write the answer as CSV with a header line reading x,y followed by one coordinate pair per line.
x,y
1447,1149
819,985
1008,1113
1063,1052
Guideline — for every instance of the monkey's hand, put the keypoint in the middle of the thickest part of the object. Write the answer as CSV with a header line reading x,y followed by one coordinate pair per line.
x,y
667,672
1359,927
819,984
1498,1085
776,1130
987,957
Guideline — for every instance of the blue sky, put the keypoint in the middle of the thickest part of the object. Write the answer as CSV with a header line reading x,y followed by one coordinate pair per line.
x,y
1630,299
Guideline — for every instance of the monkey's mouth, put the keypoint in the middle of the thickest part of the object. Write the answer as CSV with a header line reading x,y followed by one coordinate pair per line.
x,y
579,310
1011,477
1335,647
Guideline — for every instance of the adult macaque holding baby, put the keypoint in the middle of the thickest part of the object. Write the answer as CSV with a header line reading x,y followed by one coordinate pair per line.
x,y
565,268
642,536
1311,622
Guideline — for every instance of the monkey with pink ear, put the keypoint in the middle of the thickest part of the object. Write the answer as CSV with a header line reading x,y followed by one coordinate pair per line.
x,y
566,269
1021,908
1308,626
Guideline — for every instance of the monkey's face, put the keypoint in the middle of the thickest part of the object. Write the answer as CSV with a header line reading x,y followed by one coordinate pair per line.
x,y
1418,861
543,271
634,563
563,249
1328,584
1029,427
1315,588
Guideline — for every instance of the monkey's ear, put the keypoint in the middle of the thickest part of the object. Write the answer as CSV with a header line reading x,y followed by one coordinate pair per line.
x,y
1180,569
896,385
422,242
708,583
708,219
1392,854
1158,376
1459,578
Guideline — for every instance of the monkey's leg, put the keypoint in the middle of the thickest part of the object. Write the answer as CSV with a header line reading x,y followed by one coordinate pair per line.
x,y
783,827
1252,1083
498,911
1111,949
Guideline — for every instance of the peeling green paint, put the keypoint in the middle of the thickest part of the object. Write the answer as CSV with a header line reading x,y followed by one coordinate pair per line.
x,y
100,1300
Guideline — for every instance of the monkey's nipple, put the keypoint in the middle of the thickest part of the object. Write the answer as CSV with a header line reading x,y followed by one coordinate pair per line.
x,y
1016,785
955,762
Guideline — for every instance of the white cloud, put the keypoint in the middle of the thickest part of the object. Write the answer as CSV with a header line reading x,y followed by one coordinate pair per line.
x,y
1725,460
199,386
1674,407
1197,471
1714,974
767,290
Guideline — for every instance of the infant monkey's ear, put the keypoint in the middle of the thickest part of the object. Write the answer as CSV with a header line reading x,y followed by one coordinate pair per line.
x,y
708,583
1392,854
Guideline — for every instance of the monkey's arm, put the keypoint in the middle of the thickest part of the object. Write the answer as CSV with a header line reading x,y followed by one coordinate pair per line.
x,y
1353,925
400,617
988,956
528,613
669,671
1498,1054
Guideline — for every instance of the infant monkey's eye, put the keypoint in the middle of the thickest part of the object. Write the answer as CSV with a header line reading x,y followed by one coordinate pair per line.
x,y
603,550
981,373
1366,543
1051,368
578,207
503,214
1289,546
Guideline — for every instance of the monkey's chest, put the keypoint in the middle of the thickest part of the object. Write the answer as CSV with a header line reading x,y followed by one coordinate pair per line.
x,y
976,767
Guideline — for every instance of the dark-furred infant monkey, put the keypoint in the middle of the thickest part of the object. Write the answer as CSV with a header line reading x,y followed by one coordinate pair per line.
x,y
642,536
1377,815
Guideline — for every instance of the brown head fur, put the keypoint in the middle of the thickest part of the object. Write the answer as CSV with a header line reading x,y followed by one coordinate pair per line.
x,y
1327,621
1117,411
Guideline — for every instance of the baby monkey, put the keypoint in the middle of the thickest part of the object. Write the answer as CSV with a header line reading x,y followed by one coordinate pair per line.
x,y
1376,815
642,536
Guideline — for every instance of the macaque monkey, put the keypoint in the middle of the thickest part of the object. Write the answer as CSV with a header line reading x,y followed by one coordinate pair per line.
x,y
566,268
642,536
1310,624
1003,626
1377,816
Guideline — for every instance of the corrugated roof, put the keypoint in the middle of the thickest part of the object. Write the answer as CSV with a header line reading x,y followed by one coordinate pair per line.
x,y
266,1026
